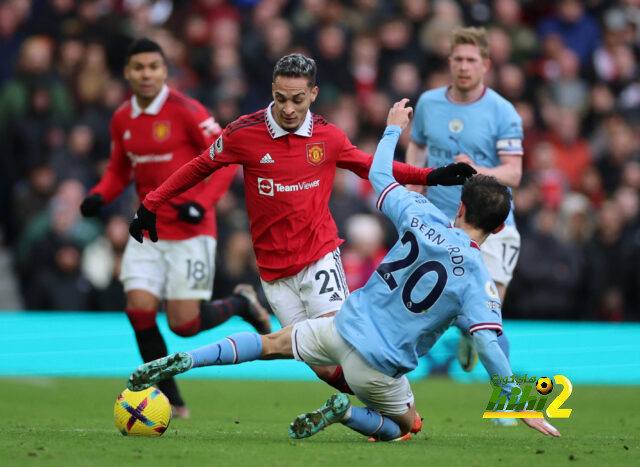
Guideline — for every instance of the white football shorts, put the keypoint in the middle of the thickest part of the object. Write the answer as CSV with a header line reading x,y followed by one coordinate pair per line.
x,y
318,289
500,253
171,269
317,342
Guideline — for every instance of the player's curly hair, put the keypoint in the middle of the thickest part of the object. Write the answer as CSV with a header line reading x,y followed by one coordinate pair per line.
x,y
143,45
487,202
296,66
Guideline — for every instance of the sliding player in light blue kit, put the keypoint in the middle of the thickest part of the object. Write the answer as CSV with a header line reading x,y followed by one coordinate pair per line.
x,y
433,274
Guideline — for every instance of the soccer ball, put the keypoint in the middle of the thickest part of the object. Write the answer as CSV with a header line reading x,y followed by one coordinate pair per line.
x,y
544,385
142,413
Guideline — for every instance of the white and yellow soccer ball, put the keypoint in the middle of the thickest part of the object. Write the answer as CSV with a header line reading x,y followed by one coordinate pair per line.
x,y
142,413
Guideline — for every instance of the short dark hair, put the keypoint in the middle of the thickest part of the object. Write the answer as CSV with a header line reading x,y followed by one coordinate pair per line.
x,y
143,45
296,66
487,202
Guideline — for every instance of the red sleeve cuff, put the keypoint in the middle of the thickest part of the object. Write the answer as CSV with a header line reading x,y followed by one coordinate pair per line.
x,y
384,194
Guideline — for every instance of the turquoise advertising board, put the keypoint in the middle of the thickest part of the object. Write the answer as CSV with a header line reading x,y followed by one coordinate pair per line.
x,y
102,344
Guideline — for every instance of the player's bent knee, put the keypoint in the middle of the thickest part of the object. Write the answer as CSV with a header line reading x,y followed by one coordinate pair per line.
x,y
183,317
188,329
325,373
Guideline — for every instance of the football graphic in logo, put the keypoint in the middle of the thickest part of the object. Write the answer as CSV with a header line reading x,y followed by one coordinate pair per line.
x,y
544,385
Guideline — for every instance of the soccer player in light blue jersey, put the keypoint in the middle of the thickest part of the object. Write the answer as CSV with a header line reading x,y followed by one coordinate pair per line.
x,y
468,122
433,274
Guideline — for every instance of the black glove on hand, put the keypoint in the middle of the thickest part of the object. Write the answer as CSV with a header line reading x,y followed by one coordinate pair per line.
x,y
91,205
452,174
143,220
190,212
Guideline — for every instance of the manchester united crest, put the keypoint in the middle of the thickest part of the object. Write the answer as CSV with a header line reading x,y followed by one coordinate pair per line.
x,y
161,130
315,153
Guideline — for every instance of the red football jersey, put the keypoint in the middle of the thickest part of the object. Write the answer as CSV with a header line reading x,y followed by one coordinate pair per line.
x,y
151,144
288,180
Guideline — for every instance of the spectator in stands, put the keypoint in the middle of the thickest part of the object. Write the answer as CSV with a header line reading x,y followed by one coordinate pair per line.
x,y
572,151
35,65
571,69
60,286
574,26
607,262
548,275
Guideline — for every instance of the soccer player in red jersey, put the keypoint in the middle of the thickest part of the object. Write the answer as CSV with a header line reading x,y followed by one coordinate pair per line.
x,y
153,135
289,156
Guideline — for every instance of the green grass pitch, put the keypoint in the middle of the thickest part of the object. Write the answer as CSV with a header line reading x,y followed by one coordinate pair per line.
x,y
66,421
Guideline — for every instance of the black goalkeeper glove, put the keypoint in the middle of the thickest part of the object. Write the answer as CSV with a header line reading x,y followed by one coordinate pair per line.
x,y
452,174
190,212
91,205
143,220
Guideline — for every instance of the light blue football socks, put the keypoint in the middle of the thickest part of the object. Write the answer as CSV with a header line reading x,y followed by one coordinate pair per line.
x,y
236,348
371,423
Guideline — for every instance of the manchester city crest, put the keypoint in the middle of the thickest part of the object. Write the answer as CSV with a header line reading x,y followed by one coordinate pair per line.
x,y
456,125
491,291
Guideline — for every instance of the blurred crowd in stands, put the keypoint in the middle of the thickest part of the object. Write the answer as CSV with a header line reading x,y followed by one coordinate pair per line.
x,y
571,68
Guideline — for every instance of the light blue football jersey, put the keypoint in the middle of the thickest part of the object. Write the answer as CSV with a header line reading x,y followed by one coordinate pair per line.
x,y
477,129
433,273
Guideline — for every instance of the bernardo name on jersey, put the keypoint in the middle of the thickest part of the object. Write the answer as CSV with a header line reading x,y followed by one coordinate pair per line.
x,y
434,273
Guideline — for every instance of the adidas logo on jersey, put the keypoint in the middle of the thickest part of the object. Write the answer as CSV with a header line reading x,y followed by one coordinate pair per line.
x,y
127,135
267,159
335,297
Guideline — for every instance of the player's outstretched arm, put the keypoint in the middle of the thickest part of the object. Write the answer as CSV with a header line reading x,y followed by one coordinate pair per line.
x,y
452,174
184,178
416,155
180,181
113,182
495,362
381,171
218,184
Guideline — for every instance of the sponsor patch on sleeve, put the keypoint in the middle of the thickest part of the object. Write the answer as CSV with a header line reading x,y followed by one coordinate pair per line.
x,y
491,290
509,143
216,148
